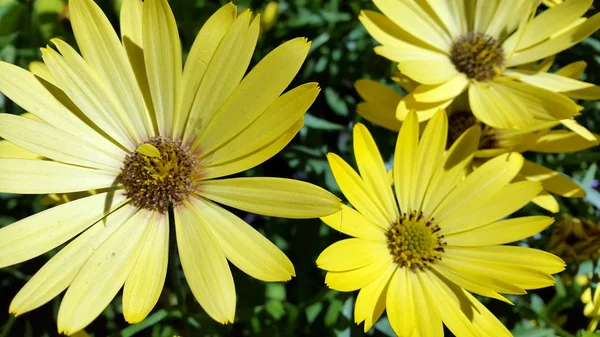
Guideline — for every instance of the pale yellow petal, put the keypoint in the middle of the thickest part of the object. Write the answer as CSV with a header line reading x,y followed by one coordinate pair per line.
x,y
552,181
372,171
572,70
483,183
102,50
546,201
400,303
37,234
204,264
252,98
58,273
162,53
201,53
50,142
145,282
351,254
351,222
424,110
26,176
428,71
10,150
429,320
41,70
405,162
441,92
380,105
103,274
572,125
557,83
500,232
357,278
244,246
371,300
223,74
486,321
558,141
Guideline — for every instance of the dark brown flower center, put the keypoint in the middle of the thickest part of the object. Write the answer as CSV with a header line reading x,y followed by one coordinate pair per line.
x,y
161,172
414,242
478,56
461,121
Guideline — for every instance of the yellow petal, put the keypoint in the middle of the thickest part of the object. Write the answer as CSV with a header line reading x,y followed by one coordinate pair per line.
x,y
441,92
201,53
145,282
274,122
162,52
429,156
371,300
484,320
10,150
102,50
557,141
103,274
58,273
486,181
452,169
557,83
429,320
572,125
350,222
37,234
424,110
484,13
50,142
223,74
244,246
27,176
509,199
41,70
355,190
278,197
500,232
572,70
254,95
556,44
23,88
372,171
428,71
415,20
357,278
400,303
405,162
380,105
351,254
252,159
553,181
546,201
204,264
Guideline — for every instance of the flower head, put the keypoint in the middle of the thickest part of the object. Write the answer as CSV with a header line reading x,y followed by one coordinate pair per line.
x,y
127,119
592,306
484,50
421,253
575,239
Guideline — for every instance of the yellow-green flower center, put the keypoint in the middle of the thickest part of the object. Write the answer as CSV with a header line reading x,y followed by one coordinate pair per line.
x,y
461,121
478,56
161,172
414,242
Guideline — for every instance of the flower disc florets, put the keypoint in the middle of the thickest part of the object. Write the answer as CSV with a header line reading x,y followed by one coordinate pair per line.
x,y
461,121
414,242
478,56
159,175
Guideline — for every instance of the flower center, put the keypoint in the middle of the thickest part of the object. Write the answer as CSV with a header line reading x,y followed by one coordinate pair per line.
x,y
478,56
460,121
415,242
161,172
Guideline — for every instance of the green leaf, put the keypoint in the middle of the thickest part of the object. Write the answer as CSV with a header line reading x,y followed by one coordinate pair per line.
x,y
275,291
313,311
333,312
317,123
275,309
148,322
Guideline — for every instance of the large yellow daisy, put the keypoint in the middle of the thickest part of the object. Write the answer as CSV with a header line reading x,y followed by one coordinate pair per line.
x,y
126,119
420,255
381,101
480,47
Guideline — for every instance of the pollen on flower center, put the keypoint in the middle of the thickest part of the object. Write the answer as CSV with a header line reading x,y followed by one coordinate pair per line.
x,y
460,121
414,242
161,172
478,56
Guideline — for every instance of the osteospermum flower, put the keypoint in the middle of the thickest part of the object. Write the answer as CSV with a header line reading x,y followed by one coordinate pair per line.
x,y
420,255
592,306
451,47
126,120
379,107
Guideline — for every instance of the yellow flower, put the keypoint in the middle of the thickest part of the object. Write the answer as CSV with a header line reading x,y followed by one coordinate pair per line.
x,y
575,239
269,16
451,48
379,107
422,256
127,117
552,3
592,306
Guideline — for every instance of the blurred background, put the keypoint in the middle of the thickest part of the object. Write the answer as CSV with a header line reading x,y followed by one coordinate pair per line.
x,y
341,53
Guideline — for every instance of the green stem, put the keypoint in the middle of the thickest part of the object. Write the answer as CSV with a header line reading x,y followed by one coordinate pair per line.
x,y
8,326
560,331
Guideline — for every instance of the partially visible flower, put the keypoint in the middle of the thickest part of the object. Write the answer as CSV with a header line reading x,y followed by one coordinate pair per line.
x,y
575,239
152,137
379,108
420,252
484,50
592,306
268,16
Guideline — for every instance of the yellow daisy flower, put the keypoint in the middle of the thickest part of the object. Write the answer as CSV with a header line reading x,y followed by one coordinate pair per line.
x,y
127,117
422,256
379,107
450,47
592,307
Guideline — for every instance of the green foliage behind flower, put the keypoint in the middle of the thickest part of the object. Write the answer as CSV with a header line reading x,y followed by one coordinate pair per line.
x,y
341,53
